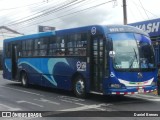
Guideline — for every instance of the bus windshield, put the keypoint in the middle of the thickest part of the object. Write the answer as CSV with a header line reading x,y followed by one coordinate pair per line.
x,y
132,51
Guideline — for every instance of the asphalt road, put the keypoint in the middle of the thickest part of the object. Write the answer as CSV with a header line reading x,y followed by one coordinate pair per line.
x,y
14,97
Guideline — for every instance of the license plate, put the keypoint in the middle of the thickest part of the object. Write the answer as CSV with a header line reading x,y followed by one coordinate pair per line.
x,y
155,92
141,90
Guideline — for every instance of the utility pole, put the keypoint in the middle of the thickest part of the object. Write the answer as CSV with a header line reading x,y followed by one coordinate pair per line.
x,y
124,12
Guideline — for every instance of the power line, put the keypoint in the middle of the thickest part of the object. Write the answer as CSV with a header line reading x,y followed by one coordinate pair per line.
x,y
144,9
46,13
80,4
15,21
79,11
132,13
138,10
50,12
89,8
12,13
19,7
38,14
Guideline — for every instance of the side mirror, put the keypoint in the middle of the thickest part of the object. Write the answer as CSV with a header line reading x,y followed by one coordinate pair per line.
x,y
112,54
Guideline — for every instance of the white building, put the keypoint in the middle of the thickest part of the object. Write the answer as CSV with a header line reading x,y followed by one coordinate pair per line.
x,y
5,33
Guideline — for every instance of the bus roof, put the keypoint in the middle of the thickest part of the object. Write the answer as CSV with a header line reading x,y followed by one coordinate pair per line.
x,y
103,28
41,34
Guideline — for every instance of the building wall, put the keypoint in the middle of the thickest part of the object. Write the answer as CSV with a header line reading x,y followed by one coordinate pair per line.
x,y
4,34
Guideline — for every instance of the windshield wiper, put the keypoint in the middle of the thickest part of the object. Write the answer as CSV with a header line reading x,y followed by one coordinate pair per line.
x,y
135,57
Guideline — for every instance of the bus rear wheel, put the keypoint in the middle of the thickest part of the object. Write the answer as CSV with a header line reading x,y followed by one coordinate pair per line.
x,y
24,80
79,87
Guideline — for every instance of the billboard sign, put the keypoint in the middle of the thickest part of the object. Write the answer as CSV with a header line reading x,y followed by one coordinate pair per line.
x,y
152,27
45,28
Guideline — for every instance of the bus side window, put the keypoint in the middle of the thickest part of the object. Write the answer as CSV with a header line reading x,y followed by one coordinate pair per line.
x,y
70,45
82,51
43,52
57,46
52,46
76,44
83,44
43,46
29,47
62,45
23,48
35,53
43,43
8,49
36,47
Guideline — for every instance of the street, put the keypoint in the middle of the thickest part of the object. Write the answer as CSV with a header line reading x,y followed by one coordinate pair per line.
x,y
14,97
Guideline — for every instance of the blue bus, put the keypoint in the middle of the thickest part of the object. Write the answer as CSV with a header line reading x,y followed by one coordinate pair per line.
x,y
108,60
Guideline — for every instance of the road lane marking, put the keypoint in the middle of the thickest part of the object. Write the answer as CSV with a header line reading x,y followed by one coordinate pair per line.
x,y
156,100
22,101
22,91
10,108
82,104
47,101
79,103
85,107
146,97
71,98
67,101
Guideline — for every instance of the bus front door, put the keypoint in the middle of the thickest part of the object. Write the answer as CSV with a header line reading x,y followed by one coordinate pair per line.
x,y
97,63
14,60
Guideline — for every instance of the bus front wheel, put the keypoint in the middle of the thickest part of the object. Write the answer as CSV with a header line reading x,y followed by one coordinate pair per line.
x,y
24,80
79,87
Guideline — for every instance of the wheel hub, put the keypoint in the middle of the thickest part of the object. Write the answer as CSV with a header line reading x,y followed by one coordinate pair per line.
x,y
80,87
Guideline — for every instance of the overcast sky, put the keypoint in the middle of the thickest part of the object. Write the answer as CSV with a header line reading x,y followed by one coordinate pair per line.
x,y
25,15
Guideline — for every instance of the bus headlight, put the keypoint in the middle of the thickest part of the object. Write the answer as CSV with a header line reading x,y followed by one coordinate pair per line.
x,y
154,84
115,86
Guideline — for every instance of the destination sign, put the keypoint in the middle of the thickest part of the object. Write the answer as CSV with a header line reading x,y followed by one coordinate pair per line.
x,y
125,28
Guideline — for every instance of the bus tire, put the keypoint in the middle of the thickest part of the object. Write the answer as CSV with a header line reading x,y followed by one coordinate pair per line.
x,y
79,87
24,79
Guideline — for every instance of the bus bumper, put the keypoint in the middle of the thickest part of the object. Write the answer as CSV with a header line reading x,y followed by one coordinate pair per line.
x,y
131,90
